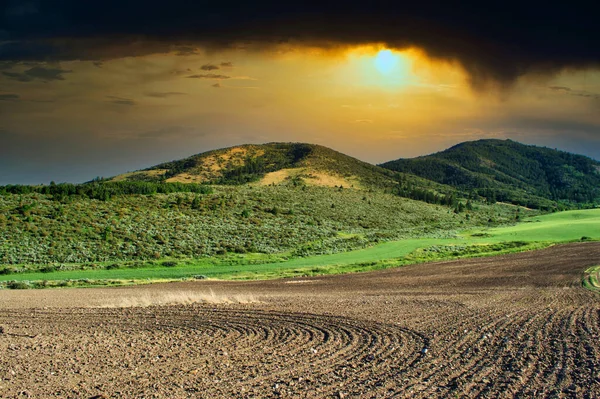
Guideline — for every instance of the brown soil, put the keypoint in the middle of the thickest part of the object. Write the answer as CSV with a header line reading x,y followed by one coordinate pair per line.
x,y
511,326
310,177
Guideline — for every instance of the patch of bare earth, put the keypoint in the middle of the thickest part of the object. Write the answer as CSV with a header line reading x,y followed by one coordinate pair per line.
x,y
310,177
513,326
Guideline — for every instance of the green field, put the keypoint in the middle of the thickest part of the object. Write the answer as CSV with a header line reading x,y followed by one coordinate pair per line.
x,y
591,279
532,233
556,227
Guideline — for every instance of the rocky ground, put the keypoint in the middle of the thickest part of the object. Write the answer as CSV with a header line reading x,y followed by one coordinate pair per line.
x,y
511,326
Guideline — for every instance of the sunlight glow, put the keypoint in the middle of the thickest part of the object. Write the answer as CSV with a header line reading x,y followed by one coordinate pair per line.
x,y
379,67
386,61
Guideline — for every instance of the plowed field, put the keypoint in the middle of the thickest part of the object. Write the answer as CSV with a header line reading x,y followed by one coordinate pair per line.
x,y
519,325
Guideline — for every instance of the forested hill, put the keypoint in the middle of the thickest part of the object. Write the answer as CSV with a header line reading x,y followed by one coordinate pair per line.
x,y
504,170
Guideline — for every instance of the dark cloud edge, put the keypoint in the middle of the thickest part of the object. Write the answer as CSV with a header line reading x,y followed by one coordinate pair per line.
x,y
495,43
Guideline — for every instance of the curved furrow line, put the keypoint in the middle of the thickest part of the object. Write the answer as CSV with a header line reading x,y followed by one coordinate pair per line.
x,y
520,359
482,359
361,355
583,364
589,334
554,358
461,355
354,344
360,345
478,374
381,347
538,353
516,368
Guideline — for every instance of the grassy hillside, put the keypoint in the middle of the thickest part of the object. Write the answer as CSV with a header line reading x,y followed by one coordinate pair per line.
x,y
273,162
289,208
508,171
274,202
299,220
532,233
296,164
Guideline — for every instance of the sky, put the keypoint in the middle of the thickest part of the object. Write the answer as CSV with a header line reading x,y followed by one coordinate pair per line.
x,y
98,89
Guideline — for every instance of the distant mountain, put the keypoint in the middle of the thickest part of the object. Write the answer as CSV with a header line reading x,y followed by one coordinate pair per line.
x,y
507,171
271,163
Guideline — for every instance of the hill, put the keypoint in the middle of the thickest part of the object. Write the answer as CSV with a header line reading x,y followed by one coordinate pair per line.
x,y
252,201
267,164
507,171
291,164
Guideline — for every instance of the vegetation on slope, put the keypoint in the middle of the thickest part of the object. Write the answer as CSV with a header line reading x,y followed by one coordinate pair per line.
x,y
591,279
532,233
298,164
104,190
249,163
300,220
511,172
265,208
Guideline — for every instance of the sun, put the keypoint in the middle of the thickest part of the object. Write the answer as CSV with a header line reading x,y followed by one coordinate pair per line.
x,y
377,66
386,61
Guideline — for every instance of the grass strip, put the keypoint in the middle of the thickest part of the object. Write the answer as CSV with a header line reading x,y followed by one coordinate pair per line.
x,y
533,233
591,278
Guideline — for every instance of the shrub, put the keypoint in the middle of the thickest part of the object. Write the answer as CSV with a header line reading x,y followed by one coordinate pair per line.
x,y
18,285
169,263
40,284
7,270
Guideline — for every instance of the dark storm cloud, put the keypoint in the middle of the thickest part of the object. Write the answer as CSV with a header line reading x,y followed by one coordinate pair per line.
x,y
209,76
121,100
37,72
17,8
9,97
7,65
209,67
180,71
493,41
186,50
560,88
576,93
158,94
17,76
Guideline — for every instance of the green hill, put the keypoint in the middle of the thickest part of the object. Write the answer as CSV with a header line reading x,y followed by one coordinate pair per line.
x,y
267,164
278,198
507,171
295,164
256,204
261,203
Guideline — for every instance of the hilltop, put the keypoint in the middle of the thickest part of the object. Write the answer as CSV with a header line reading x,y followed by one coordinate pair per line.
x,y
291,164
264,164
508,171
